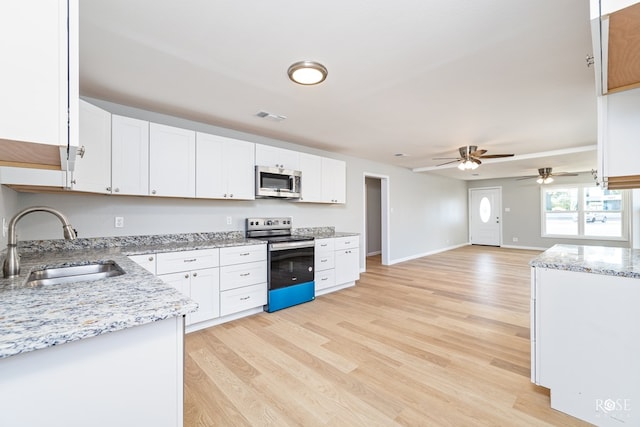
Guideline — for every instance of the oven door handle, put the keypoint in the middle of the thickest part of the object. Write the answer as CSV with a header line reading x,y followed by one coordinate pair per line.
x,y
283,246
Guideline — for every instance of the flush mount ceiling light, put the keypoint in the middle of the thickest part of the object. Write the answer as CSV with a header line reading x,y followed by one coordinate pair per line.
x,y
307,73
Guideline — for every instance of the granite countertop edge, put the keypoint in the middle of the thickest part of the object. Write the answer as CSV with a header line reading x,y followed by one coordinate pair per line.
x,y
609,261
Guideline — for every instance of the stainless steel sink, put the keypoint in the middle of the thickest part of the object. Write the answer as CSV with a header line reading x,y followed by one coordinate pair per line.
x,y
76,273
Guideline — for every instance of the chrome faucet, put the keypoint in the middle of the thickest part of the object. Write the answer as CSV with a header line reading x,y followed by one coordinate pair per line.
x,y
11,266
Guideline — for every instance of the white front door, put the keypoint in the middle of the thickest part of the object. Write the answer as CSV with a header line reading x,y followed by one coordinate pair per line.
x,y
484,216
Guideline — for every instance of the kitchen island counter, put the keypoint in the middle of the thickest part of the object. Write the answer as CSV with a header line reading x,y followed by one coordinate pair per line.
x,y
610,261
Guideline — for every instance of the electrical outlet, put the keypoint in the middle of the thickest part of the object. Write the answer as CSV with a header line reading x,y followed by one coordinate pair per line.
x,y
229,220
119,222
515,239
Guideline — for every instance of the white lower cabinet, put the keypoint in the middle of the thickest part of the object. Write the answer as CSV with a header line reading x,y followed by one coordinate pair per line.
x,y
243,285
227,283
347,259
195,274
337,263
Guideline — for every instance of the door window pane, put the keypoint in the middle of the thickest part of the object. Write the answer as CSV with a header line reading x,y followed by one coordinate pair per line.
x,y
485,210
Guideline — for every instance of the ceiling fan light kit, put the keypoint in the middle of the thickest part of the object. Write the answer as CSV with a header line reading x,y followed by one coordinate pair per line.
x,y
470,157
545,175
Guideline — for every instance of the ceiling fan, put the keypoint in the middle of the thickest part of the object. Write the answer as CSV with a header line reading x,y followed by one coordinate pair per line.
x,y
470,157
545,176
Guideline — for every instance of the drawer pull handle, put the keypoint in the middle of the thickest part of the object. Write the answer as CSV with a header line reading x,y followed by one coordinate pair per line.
x,y
245,254
150,258
186,276
244,298
324,260
245,274
191,260
195,274
324,278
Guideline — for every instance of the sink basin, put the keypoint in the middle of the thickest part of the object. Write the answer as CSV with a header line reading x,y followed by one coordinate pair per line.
x,y
76,273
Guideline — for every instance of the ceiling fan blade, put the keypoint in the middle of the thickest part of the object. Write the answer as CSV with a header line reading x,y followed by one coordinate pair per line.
x,y
564,174
446,163
477,153
476,160
446,158
496,156
527,177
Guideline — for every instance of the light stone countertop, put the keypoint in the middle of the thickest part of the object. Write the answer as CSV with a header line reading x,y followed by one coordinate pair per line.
x,y
37,317
611,261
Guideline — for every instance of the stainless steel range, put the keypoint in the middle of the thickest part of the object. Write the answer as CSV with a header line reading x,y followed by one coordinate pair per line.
x,y
290,262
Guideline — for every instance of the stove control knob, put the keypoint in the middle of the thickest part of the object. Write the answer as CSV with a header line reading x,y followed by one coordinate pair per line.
x,y
268,222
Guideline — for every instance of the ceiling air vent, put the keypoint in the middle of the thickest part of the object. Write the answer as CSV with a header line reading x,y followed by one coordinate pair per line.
x,y
270,116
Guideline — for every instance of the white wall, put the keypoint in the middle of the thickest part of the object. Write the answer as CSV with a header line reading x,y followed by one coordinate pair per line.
x,y
523,221
8,207
428,213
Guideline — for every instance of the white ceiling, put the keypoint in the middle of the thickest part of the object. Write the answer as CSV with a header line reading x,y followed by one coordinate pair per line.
x,y
418,77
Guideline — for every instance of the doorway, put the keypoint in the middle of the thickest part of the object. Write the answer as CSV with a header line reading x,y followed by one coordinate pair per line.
x,y
485,220
376,217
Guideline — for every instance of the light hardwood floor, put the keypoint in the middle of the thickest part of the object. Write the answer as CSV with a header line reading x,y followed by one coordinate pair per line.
x,y
439,341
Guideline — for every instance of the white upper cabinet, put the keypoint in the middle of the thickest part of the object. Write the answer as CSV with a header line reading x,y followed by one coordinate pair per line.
x,y
618,147
334,181
92,171
311,180
224,168
129,156
39,84
172,161
323,179
277,157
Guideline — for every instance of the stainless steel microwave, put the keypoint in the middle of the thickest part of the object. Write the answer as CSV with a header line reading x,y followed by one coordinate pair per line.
x,y
277,182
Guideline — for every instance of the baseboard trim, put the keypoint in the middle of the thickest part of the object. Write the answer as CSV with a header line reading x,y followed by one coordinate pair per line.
x,y
437,251
528,248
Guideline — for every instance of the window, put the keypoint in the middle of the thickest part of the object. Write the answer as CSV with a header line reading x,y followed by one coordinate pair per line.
x,y
584,211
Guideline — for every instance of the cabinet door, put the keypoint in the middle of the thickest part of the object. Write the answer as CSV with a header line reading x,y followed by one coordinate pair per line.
x,y
334,180
92,171
620,113
311,181
210,179
35,88
172,161
347,265
129,156
239,168
276,157
205,290
224,168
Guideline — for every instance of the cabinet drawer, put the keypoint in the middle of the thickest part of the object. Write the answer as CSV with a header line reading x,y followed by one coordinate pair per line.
x,y
171,262
242,254
324,279
236,276
324,260
324,245
346,242
146,261
235,300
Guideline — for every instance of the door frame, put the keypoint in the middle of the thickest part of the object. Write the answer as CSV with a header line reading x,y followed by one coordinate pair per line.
x,y
469,204
384,214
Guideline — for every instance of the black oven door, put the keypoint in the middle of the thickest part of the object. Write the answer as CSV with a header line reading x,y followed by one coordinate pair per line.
x,y
290,263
